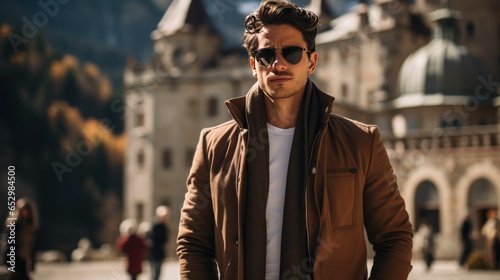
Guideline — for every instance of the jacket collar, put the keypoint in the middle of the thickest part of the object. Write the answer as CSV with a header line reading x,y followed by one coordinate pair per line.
x,y
239,106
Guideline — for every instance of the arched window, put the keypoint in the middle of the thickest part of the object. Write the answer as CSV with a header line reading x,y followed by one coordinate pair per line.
x,y
344,91
471,29
140,158
166,158
139,211
192,109
139,115
453,121
427,205
212,107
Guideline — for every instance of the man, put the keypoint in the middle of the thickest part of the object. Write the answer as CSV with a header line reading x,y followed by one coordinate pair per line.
x,y
159,239
466,237
425,237
491,233
25,231
285,189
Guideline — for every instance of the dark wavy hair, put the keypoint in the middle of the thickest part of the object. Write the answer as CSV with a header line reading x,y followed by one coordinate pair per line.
x,y
280,12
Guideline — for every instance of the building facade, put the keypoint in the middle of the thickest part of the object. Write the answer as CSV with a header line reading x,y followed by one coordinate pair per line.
x,y
426,73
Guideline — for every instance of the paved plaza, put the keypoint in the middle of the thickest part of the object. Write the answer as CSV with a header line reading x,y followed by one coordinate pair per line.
x,y
114,270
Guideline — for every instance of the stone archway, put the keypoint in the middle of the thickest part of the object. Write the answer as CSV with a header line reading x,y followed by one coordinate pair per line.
x,y
427,206
481,198
436,175
482,181
478,190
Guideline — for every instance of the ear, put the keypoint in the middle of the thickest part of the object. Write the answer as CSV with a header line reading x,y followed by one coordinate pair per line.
x,y
252,65
312,63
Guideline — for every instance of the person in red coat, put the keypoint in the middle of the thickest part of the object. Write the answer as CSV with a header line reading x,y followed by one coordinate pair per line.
x,y
132,246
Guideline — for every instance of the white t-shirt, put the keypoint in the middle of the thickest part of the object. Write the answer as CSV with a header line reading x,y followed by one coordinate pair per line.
x,y
280,144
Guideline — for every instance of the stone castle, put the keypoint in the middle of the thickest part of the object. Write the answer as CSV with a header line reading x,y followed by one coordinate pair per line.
x,y
426,72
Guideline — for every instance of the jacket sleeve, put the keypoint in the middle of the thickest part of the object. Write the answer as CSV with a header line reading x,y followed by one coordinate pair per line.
x,y
196,228
386,220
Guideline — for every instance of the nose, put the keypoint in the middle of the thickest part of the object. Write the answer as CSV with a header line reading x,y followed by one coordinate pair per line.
x,y
279,63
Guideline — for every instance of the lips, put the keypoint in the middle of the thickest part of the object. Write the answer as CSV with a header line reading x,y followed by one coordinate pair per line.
x,y
279,79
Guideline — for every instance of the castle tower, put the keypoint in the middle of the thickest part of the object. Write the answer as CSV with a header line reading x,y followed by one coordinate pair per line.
x,y
185,39
170,99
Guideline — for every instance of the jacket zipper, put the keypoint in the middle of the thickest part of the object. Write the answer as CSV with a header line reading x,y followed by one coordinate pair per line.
x,y
229,263
313,145
307,184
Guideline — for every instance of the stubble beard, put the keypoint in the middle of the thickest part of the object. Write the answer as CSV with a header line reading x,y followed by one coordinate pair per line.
x,y
276,94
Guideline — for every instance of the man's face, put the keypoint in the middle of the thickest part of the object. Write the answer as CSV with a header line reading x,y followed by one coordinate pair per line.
x,y
280,78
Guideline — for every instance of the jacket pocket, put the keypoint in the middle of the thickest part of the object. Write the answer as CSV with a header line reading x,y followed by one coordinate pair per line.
x,y
339,198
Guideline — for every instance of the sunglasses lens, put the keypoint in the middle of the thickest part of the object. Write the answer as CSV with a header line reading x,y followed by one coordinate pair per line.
x,y
265,56
292,54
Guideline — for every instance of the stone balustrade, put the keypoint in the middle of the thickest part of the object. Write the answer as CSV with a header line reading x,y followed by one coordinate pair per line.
x,y
445,138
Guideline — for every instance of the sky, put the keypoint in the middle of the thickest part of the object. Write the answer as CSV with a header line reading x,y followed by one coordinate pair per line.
x,y
228,15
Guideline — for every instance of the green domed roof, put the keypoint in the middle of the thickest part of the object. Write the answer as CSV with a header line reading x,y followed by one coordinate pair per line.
x,y
442,67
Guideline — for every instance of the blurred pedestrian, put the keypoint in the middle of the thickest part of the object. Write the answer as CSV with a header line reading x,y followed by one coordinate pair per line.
x,y
144,230
425,240
24,225
159,236
465,234
491,232
133,246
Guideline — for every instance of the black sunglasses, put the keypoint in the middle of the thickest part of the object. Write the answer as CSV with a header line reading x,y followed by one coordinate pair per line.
x,y
266,56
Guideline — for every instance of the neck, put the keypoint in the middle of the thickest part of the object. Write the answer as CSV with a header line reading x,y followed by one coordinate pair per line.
x,y
282,112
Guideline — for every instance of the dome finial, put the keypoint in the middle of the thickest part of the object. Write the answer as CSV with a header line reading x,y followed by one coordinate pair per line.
x,y
445,19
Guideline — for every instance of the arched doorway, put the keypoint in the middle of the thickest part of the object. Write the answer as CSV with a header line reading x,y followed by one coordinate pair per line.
x,y
481,197
427,205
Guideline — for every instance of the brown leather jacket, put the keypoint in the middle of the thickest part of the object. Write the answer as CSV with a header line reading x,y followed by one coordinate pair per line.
x,y
351,187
